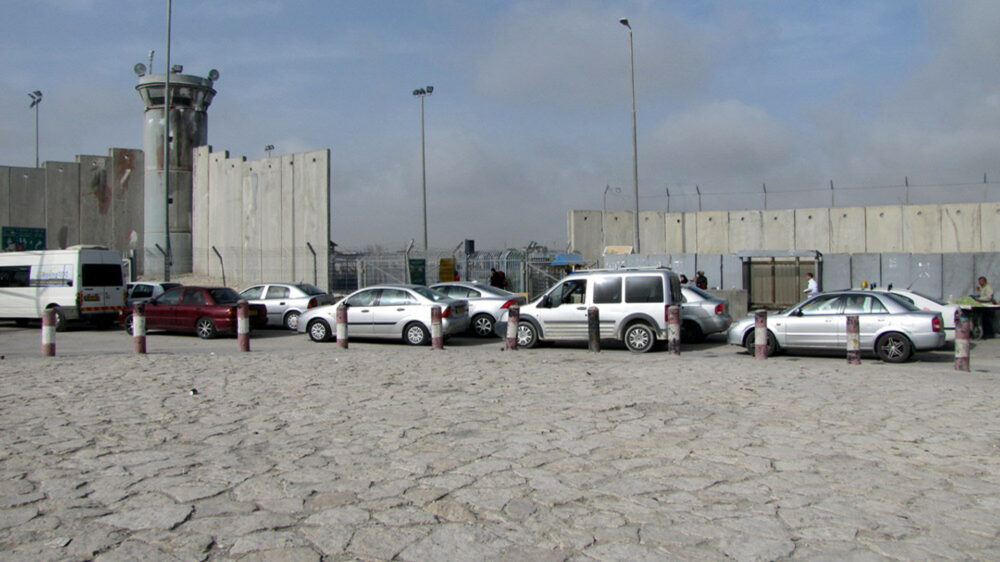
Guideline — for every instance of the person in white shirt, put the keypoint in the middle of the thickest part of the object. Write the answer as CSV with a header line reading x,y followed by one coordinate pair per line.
x,y
812,288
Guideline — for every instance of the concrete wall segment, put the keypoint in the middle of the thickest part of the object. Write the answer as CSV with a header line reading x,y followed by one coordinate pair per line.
x,y
652,232
847,230
778,230
922,228
200,205
961,228
585,233
618,230
96,199
812,229
989,224
673,232
713,232
884,228
4,195
746,231
62,204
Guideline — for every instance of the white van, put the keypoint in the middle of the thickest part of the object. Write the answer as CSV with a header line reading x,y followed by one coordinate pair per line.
x,y
79,283
632,303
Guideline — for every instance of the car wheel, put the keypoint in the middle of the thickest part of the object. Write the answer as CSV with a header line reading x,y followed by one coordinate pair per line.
x,y
205,328
893,347
60,319
482,325
639,338
527,336
691,332
292,320
319,331
129,323
976,332
415,334
750,343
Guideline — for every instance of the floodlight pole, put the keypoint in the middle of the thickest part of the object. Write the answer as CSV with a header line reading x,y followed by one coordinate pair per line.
x,y
36,100
635,149
422,93
166,151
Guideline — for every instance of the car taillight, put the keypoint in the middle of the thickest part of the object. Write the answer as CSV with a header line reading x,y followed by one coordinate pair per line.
x,y
936,324
232,311
720,308
79,299
312,303
509,304
666,313
446,312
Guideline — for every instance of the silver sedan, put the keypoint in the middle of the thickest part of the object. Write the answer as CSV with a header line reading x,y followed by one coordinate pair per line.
x,y
702,313
889,326
286,301
388,312
486,303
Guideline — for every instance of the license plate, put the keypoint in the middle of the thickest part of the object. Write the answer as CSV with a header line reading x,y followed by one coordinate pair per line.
x,y
91,298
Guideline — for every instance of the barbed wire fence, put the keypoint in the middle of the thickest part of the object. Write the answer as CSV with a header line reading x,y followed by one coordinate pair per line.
x,y
691,198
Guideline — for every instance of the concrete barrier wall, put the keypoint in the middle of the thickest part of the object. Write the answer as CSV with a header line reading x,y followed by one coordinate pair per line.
x,y
261,215
94,200
916,229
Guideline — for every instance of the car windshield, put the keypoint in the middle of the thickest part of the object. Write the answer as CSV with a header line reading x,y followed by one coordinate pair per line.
x,y
430,294
932,299
902,301
310,289
224,295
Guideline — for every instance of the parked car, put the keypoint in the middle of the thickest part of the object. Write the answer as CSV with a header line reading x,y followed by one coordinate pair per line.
x,y
486,303
924,302
388,311
286,301
889,326
632,304
702,313
142,291
206,311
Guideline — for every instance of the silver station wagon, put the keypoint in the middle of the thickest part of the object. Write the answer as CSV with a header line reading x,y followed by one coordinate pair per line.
x,y
889,326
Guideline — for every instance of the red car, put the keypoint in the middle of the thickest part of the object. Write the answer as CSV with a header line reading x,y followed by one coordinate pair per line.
x,y
206,311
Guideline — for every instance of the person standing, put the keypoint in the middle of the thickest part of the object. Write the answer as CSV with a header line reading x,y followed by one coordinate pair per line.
x,y
701,281
812,287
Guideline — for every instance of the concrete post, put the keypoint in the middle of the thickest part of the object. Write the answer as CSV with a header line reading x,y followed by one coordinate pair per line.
x,y
853,340
513,319
594,329
49,332
760,334
674,329
342,326
139,328
243,324
962,334
437,341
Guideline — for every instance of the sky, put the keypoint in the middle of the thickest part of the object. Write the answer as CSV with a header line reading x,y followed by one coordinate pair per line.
x,y
531,114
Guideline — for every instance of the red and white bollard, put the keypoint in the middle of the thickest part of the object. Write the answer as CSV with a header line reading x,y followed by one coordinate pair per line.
x,y
243,324
853,340
437,341
513,319
674,329
342,326
139,328
963,331
594,329
760,334
49,332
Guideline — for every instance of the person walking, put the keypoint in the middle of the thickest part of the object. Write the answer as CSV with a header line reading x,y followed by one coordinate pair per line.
x,y
812,287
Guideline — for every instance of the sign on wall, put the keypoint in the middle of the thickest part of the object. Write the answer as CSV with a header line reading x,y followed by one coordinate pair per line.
x,y
21,238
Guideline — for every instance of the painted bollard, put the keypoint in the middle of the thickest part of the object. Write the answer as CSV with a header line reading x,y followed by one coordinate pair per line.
x,y
593,329
853,340
963,330
760,334
342,326
513,319
437,341
674,329
49,332
243,324
139,328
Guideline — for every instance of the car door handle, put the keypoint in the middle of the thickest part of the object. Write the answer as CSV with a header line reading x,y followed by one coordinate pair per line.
x,y
281,304
400,309
581,308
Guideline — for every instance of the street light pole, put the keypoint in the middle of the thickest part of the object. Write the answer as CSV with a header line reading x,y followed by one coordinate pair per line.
x,y
422,93
635,149
166,151
36,100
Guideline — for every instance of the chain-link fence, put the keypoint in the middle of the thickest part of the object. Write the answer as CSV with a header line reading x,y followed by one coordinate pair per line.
x,y
527,271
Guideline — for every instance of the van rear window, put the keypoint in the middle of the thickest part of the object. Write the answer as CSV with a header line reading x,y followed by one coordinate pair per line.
x,y
102,275
647,288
